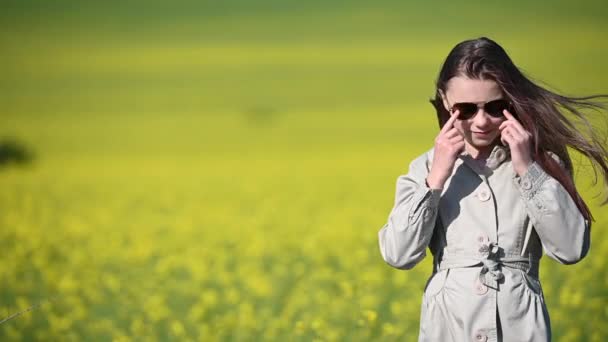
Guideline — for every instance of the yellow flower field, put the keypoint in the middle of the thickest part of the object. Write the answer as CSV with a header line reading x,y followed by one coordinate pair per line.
x,y
223,176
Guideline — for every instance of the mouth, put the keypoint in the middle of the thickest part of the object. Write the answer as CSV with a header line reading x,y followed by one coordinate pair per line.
x,y
481,133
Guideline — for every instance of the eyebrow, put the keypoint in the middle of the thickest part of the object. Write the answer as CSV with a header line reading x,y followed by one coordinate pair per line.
x,y
479,102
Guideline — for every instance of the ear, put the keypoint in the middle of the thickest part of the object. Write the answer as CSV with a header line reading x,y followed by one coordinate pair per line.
x,y
444,100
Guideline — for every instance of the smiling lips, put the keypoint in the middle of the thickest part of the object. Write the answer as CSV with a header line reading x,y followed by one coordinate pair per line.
x,y
481,133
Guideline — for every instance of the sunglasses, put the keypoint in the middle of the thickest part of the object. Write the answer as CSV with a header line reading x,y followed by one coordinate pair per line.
x,y
493,108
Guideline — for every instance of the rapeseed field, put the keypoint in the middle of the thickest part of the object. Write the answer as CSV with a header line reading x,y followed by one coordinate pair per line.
x,y
219,172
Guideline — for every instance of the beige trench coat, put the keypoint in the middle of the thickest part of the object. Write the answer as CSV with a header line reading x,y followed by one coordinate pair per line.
x,y
487,230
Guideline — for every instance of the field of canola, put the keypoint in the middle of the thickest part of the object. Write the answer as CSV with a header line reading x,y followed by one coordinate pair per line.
x,y
224,176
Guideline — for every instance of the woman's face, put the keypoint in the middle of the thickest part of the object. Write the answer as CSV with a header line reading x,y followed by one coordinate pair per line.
x,y
481,131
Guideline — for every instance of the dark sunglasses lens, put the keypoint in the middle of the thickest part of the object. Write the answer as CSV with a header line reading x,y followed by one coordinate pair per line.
x,y
467,110
495,108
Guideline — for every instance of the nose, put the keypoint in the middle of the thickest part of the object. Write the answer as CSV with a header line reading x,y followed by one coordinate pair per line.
x,y
481,119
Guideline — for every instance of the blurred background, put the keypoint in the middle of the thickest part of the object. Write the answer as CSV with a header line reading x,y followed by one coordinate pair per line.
x,y
219,170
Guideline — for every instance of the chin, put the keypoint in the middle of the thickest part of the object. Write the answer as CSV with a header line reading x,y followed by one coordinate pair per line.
x,y
481,143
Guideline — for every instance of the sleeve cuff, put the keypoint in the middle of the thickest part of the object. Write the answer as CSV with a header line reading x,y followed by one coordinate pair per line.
x,y
427,200
531,181
435,195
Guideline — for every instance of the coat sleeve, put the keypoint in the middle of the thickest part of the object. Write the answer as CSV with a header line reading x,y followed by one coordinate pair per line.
x,y
409,228
562,229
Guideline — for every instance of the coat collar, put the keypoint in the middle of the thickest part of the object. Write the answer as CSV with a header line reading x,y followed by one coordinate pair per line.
x,y
497,156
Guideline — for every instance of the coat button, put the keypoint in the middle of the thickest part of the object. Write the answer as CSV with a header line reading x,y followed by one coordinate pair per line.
x,y
482,238
480,336
526,184
483,194
480,288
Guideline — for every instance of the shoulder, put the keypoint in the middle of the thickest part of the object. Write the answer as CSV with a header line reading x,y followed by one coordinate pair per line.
x,y
565,164
422,163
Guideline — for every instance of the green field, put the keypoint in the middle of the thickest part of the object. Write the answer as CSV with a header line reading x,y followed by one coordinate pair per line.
x,y
221,171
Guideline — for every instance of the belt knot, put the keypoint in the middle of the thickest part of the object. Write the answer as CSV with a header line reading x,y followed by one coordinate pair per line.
x,y
492,258
491,263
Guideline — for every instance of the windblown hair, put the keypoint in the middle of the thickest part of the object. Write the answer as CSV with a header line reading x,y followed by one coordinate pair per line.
x,y
539,110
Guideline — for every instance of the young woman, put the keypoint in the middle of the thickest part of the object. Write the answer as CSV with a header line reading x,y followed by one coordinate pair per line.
x,y
494,192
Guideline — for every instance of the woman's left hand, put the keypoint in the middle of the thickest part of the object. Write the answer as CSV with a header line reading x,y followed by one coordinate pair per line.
x,y
519,141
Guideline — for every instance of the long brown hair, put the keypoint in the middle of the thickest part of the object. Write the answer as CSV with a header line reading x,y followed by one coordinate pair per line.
x,y
539,111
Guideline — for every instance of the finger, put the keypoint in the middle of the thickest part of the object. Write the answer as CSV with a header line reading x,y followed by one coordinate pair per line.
x,y
514,121
450,123
455,140
459,145
505,139
511,136
515,126
509,132
508,114
517,135
452,133
509,129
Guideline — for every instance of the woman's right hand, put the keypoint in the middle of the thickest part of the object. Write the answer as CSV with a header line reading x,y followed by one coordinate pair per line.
x,y
449,143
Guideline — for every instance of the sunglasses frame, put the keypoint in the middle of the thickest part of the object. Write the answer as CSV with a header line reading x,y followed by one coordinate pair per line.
x,y
483,106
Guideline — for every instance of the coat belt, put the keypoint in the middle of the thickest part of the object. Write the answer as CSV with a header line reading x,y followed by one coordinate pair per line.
x,y
491,262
